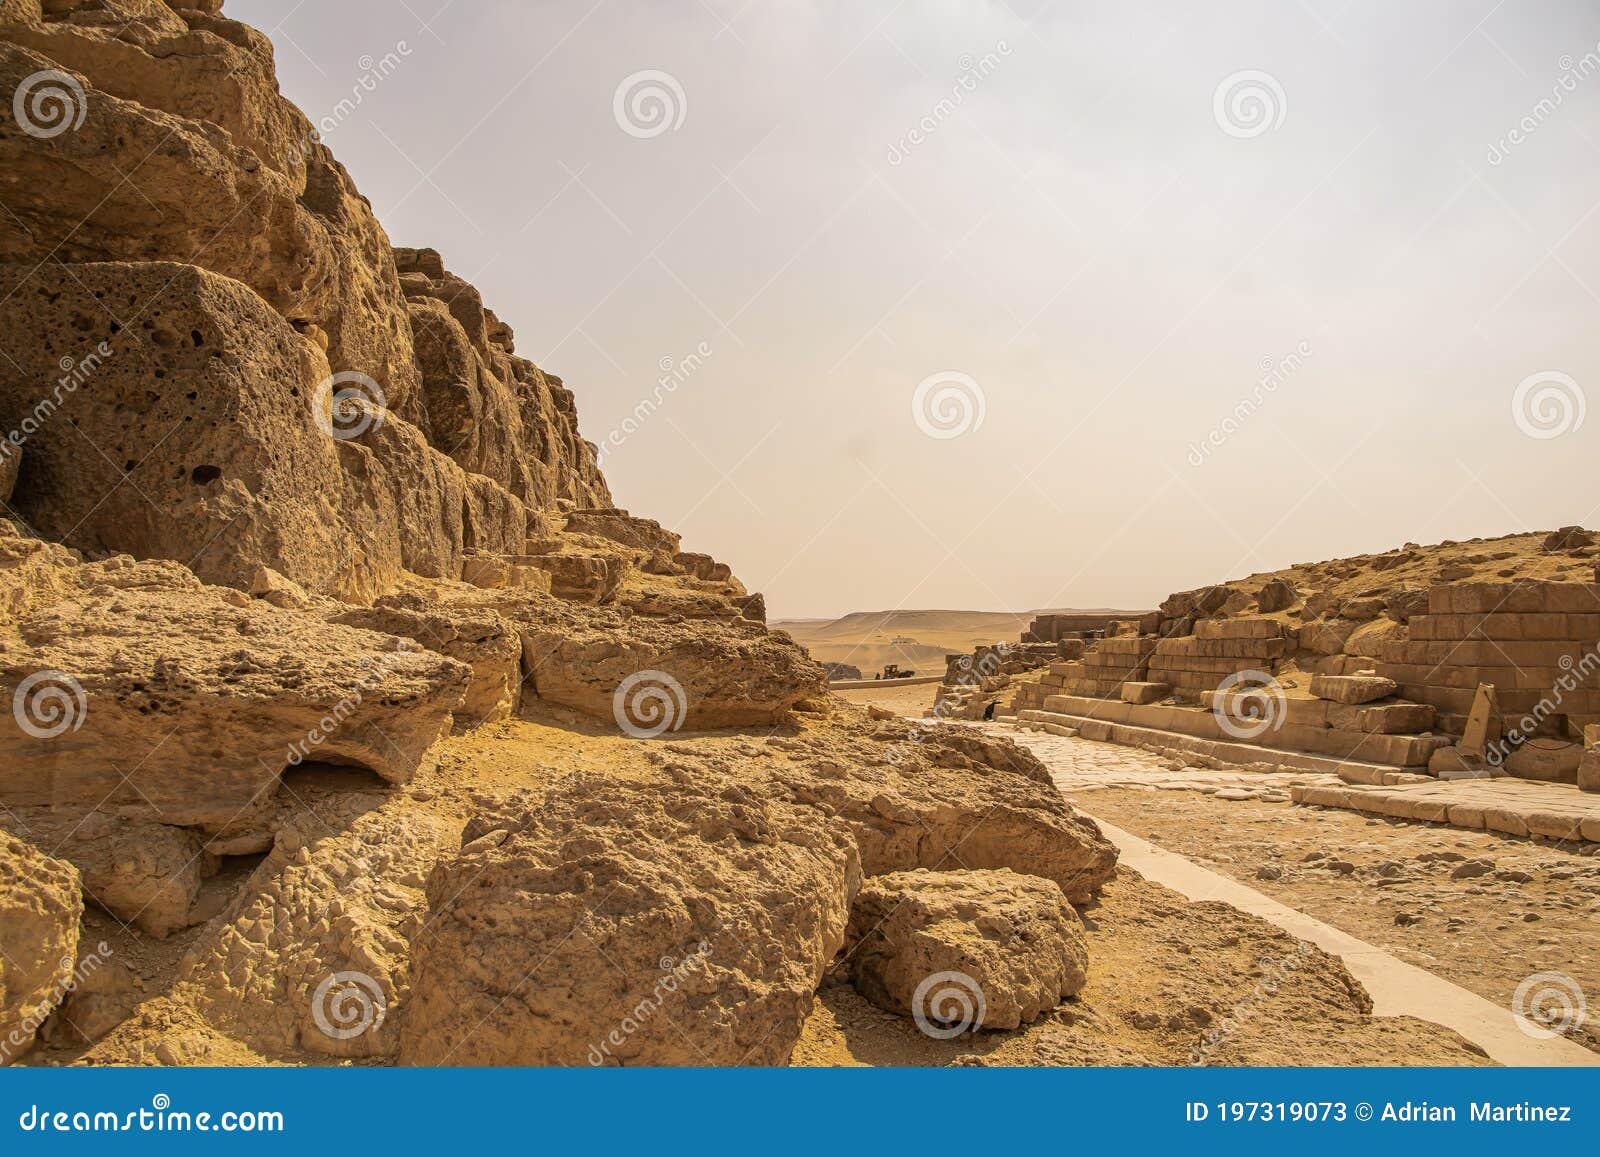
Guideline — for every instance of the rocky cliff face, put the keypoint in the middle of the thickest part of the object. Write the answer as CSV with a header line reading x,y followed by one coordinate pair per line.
x,y
279,496
256,377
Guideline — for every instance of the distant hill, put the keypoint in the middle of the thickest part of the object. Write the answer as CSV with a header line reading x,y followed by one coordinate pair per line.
x,y
917,639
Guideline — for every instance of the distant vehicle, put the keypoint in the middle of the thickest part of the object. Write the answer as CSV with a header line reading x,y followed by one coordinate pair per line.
x,y
893,671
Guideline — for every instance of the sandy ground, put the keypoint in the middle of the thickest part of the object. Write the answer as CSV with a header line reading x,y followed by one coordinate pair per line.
x,y
909,701
1481,910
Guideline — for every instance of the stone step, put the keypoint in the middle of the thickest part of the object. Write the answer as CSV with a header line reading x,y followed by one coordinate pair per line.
x,y
1228,752
1514,807
1278,733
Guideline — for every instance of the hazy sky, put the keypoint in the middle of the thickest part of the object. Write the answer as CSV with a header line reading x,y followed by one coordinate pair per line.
x,y
1062,203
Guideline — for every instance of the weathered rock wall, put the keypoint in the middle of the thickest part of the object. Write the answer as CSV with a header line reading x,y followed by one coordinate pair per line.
x,y
179,158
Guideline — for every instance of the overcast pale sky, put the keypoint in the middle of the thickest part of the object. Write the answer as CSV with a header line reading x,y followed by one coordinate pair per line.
x,y
1095,226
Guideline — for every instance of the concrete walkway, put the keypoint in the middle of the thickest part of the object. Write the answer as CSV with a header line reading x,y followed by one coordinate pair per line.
x,y
1397,988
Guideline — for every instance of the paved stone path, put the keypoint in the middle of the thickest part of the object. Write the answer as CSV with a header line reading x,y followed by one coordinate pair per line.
x,y
1514,807
1080,765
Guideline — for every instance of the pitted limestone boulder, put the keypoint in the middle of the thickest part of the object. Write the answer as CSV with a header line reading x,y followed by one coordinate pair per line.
x,y
145,874
191,433
966,950
614,923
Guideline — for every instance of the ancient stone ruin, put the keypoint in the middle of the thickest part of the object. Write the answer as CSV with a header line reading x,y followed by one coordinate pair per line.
x,y
1443,663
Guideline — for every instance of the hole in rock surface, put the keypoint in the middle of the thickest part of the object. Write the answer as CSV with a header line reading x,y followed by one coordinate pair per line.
x,y
310,779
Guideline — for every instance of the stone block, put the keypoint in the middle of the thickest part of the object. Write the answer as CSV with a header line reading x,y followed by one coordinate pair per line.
x,y
1326,637
1498,819
489,571
1145,692
1521,597
1546,760
1382,719
1554,825
1241,628
1589,771
1353,689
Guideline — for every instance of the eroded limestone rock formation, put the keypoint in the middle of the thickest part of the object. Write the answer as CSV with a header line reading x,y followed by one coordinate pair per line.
x,y
281,497
747,870
145,689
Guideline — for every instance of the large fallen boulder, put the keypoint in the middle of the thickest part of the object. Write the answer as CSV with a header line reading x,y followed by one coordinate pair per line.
x,y
960,951
145,874
39,911
612,923
148,691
